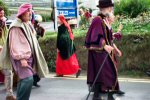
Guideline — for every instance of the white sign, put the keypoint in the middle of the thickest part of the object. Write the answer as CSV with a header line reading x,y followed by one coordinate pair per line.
x,y
63,13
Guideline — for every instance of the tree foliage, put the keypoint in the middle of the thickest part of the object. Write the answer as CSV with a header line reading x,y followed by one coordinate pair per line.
x,y
4,6
132,8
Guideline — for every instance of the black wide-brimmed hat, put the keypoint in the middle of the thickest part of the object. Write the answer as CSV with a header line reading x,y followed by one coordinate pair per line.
x,y
105,3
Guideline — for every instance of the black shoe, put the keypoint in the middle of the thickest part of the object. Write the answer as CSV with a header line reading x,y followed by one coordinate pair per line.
x,y
96,92
110,96
148,73
96,96
78,73
119,92
59,76
36,85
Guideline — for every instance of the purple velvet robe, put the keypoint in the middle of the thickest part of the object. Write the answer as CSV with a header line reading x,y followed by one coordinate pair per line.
x,y
97,33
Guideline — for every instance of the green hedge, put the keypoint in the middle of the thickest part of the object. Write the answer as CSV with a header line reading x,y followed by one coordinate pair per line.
x,y
135,50
46,17
132,8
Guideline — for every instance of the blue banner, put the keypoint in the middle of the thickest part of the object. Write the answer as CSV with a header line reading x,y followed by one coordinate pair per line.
x,y
66,3
67,7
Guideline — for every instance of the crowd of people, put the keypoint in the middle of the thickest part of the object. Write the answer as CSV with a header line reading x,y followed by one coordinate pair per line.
x,y
21,53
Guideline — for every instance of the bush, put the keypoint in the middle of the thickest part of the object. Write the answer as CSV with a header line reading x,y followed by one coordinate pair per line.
x,y
46,17
140,24
3,5
135,48
132,8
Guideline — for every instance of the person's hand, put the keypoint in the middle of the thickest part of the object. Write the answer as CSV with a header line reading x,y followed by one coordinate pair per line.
x,y
108,48
24,63
119,53
57,50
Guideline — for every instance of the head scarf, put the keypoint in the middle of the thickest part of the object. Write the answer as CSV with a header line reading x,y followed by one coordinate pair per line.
x,y
23,8
63,20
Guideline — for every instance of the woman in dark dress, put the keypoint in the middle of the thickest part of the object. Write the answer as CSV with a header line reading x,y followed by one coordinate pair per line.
x,y
66,62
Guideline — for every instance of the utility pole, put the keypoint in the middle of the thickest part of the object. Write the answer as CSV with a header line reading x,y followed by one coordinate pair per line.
x,y
55,15
77,14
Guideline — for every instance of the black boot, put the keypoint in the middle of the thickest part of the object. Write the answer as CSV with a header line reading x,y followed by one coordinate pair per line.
x,y
78,73
96,95
119,92
96,92
59,76
148,72
36,79
110,96
35,84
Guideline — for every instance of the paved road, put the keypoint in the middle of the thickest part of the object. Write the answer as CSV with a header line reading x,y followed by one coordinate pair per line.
x,y
70,88
48,26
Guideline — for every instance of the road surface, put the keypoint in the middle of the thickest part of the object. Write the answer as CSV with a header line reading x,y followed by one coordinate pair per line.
x,y
71,88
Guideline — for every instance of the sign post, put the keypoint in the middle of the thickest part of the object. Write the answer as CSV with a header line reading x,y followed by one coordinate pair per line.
x,y
55,16
77,14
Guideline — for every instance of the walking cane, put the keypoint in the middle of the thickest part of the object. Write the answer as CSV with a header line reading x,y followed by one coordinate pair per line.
x,y
96,77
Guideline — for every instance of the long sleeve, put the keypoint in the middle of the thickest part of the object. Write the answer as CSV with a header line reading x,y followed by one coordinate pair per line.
x,y
95,35
19,45
64,43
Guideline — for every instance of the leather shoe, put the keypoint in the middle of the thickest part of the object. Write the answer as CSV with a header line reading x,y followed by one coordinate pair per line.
x,y
36,85
119,92
110,96
78,73
98,98
59,76
148,73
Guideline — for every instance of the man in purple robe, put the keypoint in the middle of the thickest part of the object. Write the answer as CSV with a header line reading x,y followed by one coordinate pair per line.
x,y
99,42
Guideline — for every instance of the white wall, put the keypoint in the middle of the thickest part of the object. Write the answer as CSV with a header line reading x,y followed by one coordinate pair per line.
x,y
90,4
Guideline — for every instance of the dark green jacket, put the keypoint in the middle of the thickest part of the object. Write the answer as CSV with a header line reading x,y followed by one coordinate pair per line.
x,y
64,44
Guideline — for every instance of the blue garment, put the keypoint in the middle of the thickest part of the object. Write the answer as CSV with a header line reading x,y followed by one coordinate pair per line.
x,y
24,88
